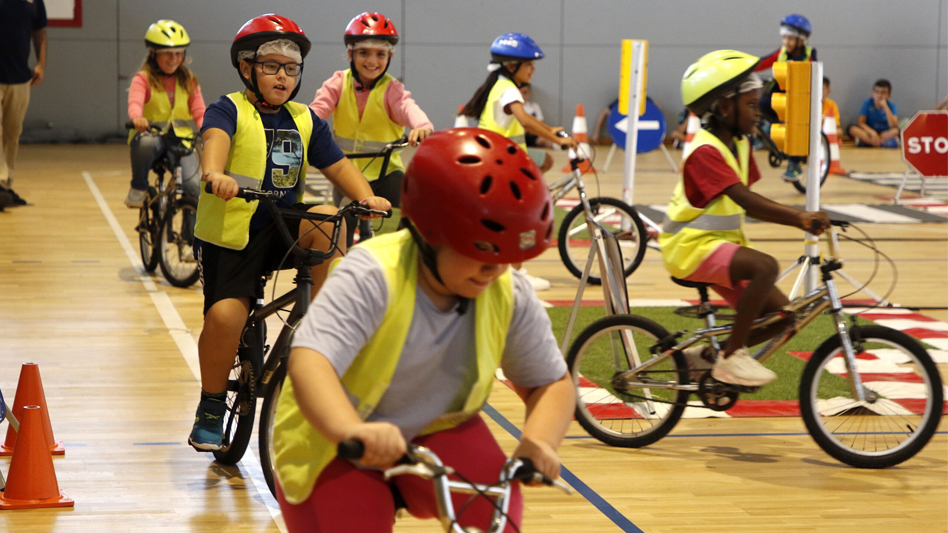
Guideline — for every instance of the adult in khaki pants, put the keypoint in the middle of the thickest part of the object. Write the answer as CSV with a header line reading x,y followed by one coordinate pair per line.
x,y
21,22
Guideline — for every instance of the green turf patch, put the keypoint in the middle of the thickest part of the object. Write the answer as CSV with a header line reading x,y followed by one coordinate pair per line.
x,y
787,367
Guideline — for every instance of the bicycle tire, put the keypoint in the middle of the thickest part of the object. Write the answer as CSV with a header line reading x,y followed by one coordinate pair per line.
x,y
148,236
600,407
800,184
575,251
267,417
241,404
819,402
177,260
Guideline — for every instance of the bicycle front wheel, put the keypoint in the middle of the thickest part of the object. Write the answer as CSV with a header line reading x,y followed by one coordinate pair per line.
x,y
626,411
241,406
903,398
823,160
178,263
267,418
619,218
148,230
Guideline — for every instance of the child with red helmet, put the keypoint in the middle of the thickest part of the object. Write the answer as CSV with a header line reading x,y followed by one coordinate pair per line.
x,y
416,324
369,107
257,138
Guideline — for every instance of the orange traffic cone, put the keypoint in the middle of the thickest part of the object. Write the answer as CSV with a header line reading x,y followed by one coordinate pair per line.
x,y
829,128
32,482
460,121
694,124
580,134
29,391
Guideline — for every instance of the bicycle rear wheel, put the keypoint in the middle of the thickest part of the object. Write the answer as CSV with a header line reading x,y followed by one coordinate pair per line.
x,y
148,219
241,401
613,409
178,263
903,406
823,160
614,215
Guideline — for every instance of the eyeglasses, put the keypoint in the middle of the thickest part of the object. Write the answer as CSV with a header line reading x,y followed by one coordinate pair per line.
x,y
272,67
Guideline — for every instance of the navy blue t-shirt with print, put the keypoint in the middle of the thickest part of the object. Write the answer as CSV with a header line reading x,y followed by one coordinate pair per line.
x,y
18,20
286,152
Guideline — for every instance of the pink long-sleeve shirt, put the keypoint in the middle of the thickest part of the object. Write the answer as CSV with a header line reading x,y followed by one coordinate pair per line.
x,y
399,105
139,93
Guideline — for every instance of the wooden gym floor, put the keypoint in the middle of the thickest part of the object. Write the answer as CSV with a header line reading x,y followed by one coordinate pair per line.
x,y
118,357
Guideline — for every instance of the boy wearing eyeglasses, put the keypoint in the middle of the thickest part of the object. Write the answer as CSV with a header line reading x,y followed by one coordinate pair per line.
x,y
257,138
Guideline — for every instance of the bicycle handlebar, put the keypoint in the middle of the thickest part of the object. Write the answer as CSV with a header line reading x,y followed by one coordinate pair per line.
x,y
399,144
268,200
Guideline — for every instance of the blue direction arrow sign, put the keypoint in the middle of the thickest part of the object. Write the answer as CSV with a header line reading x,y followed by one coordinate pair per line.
x,y
651,125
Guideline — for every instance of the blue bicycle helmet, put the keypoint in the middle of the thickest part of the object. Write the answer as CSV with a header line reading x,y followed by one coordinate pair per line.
x,y
798,24
515,47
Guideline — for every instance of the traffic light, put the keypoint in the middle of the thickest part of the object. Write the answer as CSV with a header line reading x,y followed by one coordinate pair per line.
x,y
792,107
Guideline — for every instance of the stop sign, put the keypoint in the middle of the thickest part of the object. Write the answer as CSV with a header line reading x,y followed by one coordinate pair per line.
x,y
925,143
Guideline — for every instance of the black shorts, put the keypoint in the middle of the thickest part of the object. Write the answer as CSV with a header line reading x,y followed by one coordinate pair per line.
x,y
230,273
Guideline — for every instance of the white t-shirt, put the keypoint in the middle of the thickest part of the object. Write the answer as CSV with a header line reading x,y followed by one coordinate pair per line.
x,y
507,97
533,109
437,366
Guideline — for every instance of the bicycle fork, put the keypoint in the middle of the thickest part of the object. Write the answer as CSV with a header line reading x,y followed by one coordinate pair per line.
x,y
855,380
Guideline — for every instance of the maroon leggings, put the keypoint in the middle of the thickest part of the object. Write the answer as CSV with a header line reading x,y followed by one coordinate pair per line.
x,y
346,498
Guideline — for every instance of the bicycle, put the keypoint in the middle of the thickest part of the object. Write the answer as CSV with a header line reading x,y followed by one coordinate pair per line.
x,y
574,239
385,152
166,219
776,157
259,369
424,463
633,381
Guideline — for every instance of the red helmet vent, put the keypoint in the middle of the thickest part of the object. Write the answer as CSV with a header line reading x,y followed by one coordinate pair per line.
x,y
485,184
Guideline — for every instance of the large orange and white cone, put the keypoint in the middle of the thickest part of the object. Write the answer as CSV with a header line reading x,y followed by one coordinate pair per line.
x,y
32,482
694,124
29,391
460,121
580,133
829,129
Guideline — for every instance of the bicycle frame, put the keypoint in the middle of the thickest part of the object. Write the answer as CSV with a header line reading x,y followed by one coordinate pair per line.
x,y
811,306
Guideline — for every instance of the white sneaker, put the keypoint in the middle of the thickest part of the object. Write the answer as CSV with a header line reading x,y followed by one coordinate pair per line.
x,y
539,284
741,369
135,198
699,357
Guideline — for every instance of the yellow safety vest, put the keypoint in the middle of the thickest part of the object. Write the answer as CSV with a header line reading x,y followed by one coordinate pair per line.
x,y
370,133
301,452
514,131
159,112
782,56
227,224
689,234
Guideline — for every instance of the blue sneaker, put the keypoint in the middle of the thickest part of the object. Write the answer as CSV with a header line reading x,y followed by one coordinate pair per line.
x,y
890,143
208,431
793,171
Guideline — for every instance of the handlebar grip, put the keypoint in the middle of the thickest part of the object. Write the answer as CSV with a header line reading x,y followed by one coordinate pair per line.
x,y
816,225
563,134
350,449
130,125
528,473
208,188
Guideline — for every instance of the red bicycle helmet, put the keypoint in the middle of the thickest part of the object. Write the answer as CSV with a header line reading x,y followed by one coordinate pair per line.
x,y
371,26
479,193
265,28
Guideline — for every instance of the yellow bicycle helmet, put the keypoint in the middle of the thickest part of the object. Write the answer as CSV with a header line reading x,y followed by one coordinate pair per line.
x,y
713,76
166,34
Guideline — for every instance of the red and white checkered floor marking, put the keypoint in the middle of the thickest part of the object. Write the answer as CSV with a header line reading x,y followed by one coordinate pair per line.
x,y
880,369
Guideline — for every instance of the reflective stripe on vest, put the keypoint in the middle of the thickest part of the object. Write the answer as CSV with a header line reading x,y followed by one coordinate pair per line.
x,y
159,112
227,224
301,452
370,133
514,130
782,56
690,234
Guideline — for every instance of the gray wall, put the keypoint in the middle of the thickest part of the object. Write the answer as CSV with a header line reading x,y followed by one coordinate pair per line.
x,y
444,49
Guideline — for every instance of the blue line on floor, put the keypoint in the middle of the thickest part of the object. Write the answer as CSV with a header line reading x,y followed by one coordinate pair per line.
x,y
594,498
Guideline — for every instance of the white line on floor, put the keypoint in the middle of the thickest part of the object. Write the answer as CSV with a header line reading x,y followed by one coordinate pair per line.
x,y
181,336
